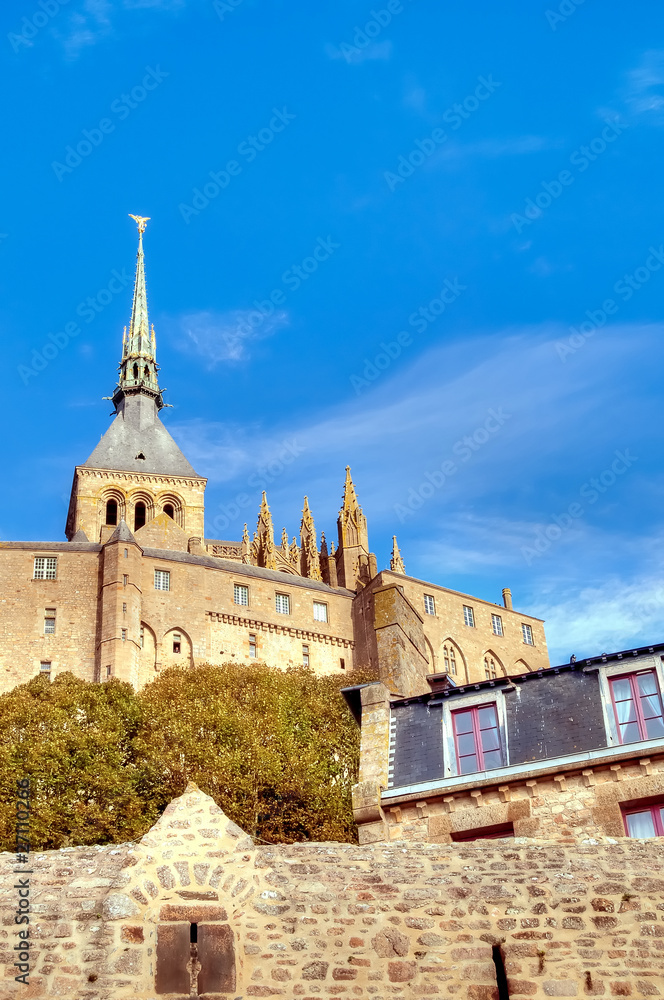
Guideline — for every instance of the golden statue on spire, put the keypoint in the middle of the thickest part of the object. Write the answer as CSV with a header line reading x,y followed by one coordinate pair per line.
x,y
140,220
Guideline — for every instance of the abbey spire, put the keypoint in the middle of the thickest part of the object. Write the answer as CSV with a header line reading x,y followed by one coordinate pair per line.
x,y
138,367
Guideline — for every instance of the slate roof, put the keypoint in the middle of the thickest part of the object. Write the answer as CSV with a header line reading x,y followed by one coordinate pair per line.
x,y
137,430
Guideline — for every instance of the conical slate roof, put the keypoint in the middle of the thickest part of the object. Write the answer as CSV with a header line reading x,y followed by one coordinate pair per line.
x,y
137,441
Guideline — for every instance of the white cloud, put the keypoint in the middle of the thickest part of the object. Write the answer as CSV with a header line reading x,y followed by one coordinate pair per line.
x,y
645,87
610,616
493,149
87,27
222,336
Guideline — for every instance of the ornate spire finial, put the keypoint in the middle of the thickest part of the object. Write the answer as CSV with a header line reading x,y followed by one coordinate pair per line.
x,y
140,220
350,498
138,368
310,562
396,562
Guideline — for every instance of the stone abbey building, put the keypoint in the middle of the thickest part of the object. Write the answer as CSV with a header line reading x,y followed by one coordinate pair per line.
x,y
137,586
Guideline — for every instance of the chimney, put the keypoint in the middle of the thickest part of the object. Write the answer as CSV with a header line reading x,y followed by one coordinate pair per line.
x,y
507,598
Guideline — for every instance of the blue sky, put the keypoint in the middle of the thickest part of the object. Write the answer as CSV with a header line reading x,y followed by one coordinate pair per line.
x,y
436,197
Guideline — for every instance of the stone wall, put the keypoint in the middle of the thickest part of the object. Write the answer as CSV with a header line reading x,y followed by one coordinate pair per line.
x,y
510,653
93,606
404,919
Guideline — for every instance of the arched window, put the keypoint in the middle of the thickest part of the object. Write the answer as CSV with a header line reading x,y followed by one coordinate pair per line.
x,y
139,515
169,509
449,660
489,668
111,512
136,372
146,373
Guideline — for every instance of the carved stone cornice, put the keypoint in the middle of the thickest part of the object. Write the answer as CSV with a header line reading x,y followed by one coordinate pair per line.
x,y
299,633
143,477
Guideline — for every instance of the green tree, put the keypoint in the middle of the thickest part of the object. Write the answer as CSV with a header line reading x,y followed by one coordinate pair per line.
x,y
278,750
74,741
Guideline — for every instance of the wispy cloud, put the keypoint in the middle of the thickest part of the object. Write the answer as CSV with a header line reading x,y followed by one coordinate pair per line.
x,y
222,336
641,97
607,617
86,27
454,153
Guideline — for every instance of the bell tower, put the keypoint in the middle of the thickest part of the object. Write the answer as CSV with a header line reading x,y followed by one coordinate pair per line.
x,y
137,473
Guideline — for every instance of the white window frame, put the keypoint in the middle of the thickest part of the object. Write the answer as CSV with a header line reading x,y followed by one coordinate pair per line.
x,y
317,605
253,646
628,665
43,664
429,604
164,577
48,570
237,587
492,696
497,619
527,634
306,655
279,599
471,615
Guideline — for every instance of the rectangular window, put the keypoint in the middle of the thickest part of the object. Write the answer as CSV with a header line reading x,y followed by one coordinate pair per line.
x,y
342,663
162,579
497,624
49,621
282,604
252,647
527,635
124,634
320,612
429,605
240,595
142,637
477,739
125,580
45,568
648,821
124,609
126,553
469,616
638,706
305,656
45,668
177,642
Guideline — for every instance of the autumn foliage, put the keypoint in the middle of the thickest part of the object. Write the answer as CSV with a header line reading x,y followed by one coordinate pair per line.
x,y
277,750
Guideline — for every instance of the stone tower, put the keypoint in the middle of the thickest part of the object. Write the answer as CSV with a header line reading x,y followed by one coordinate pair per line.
x,y
136,472
356,566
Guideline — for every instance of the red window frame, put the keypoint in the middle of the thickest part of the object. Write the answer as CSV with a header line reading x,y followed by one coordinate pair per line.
x,y
636,698
655,809
479,751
